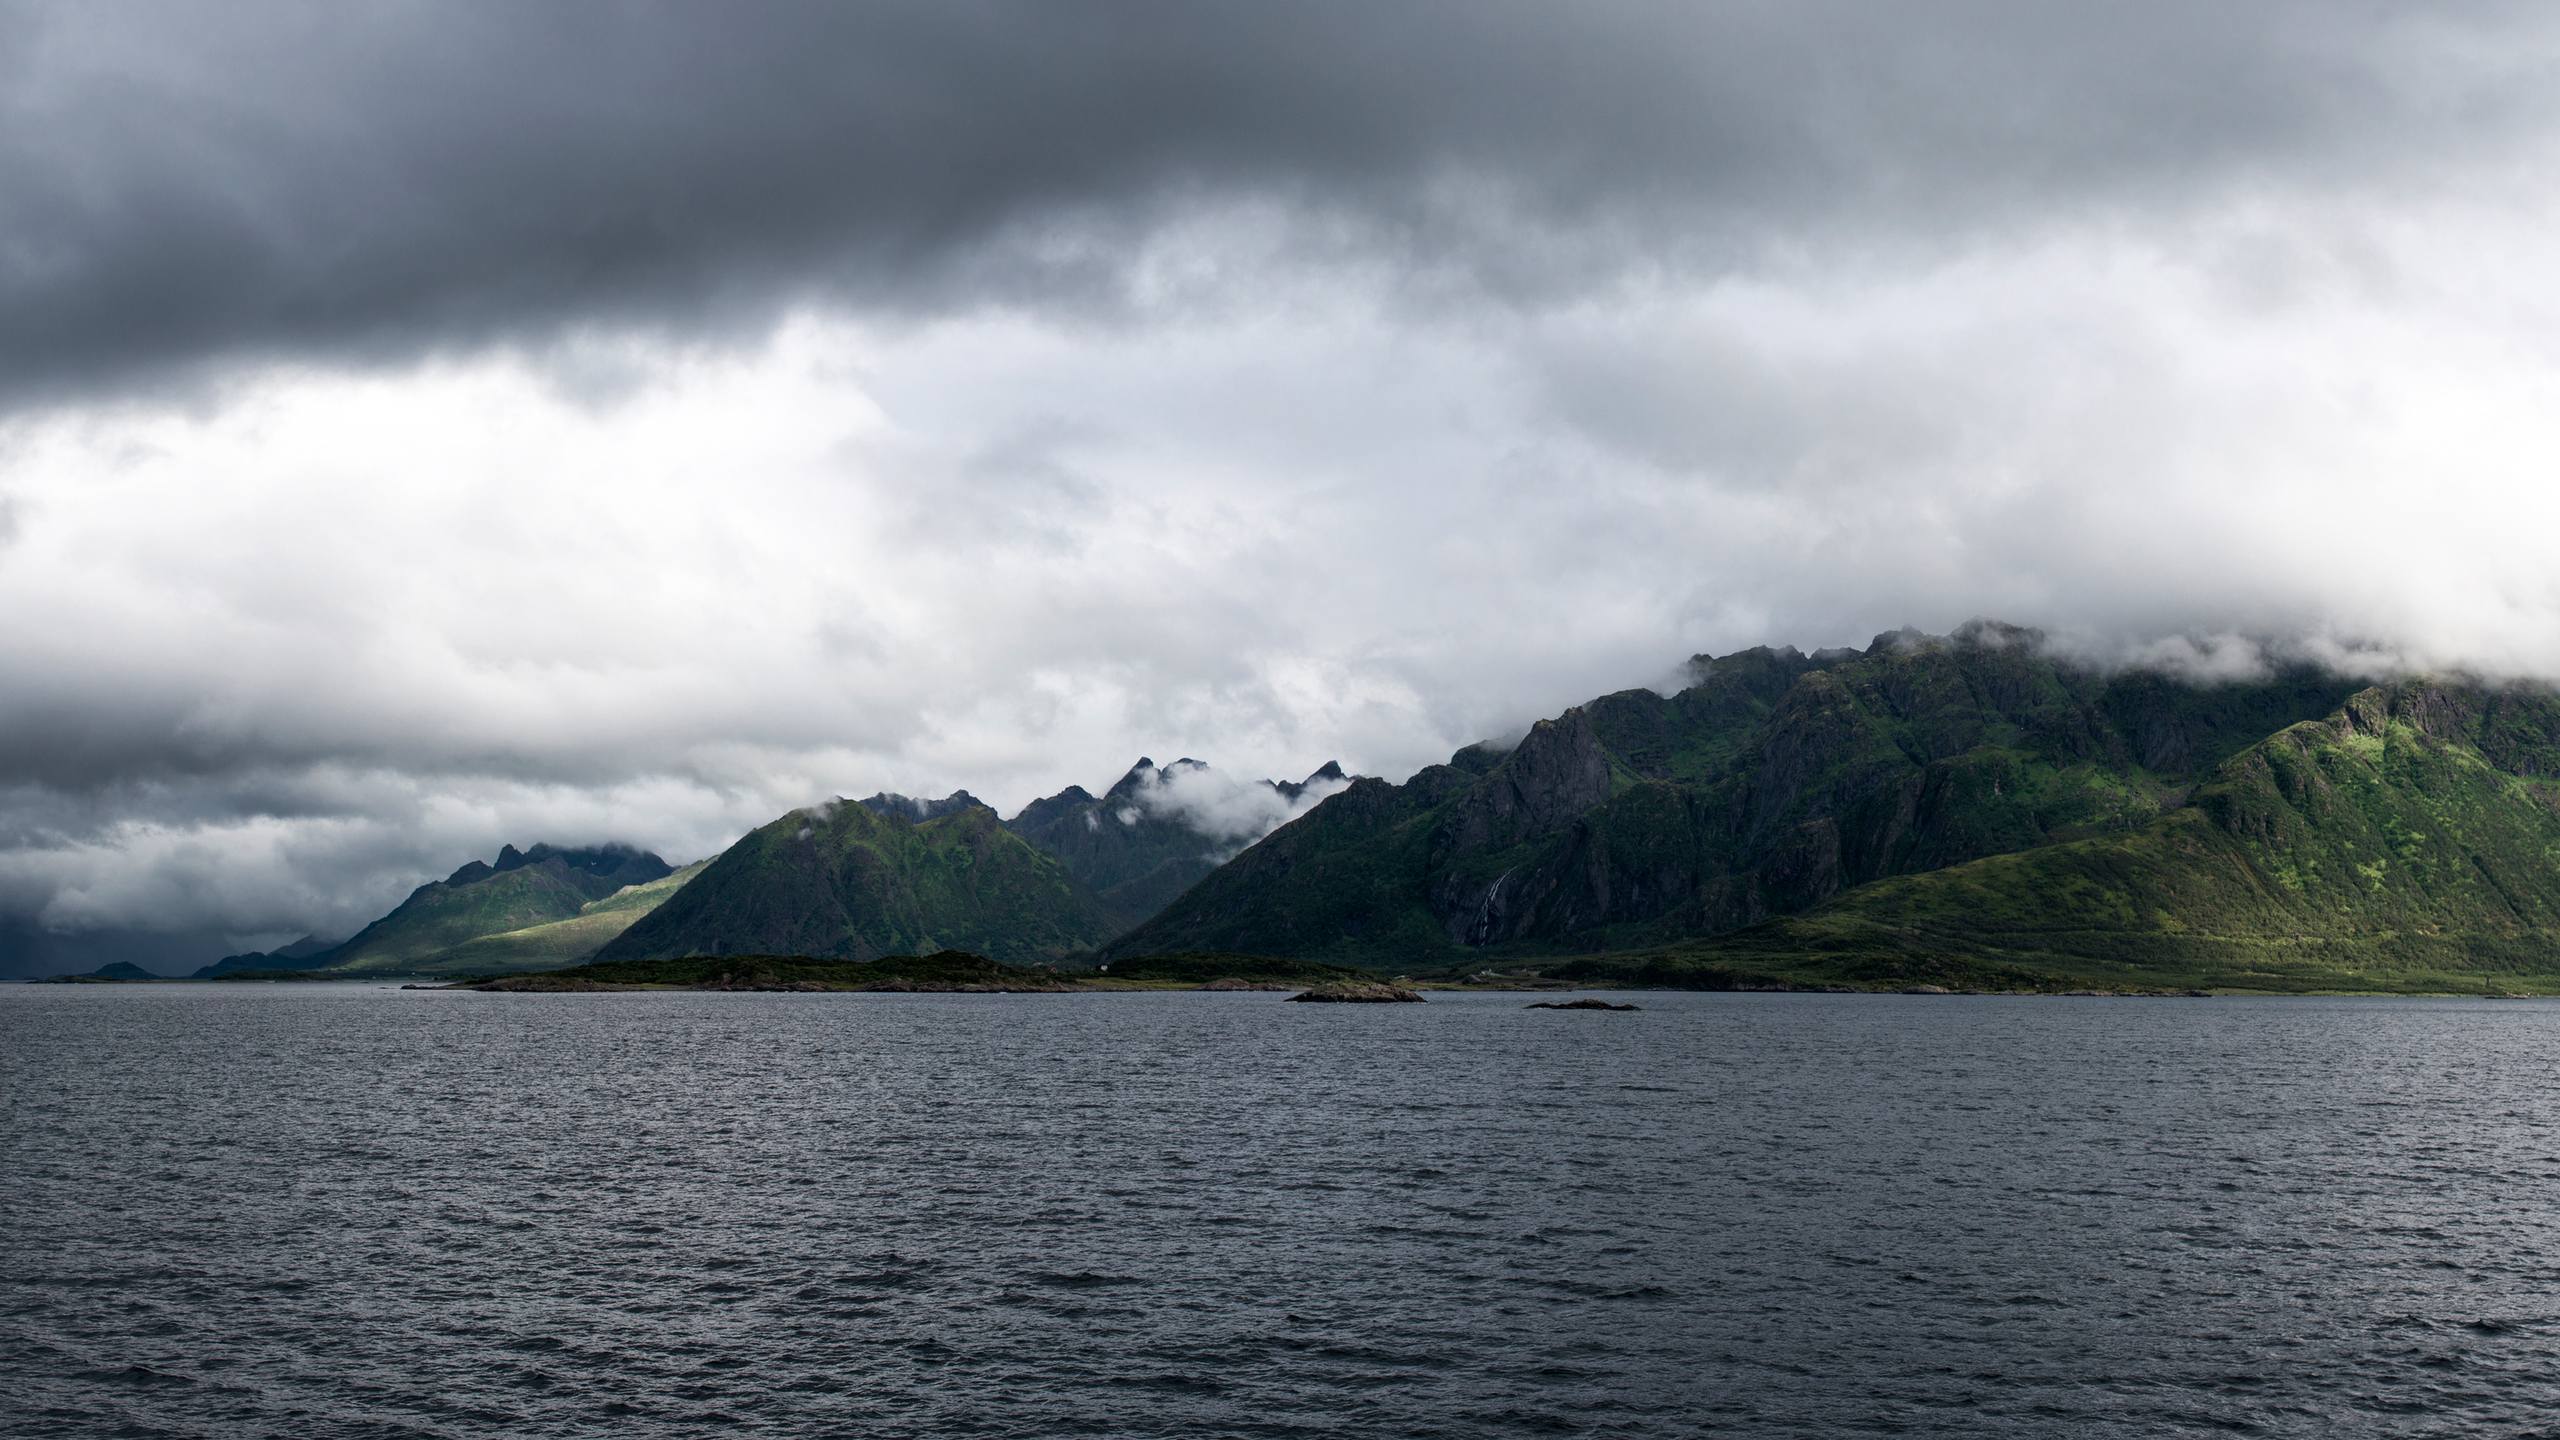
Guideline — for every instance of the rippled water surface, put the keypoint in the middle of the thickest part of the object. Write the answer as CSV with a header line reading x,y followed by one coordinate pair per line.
x,y
338,1210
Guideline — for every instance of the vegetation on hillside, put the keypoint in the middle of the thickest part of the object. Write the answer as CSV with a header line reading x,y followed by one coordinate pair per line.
x,y
556,943
844,881
2409,841
524,888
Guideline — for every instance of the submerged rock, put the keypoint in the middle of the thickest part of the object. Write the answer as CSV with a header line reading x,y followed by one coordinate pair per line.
x,y
1579,1005
1359,992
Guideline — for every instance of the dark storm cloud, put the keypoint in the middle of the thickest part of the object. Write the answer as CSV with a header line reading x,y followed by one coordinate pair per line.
x,y
184,182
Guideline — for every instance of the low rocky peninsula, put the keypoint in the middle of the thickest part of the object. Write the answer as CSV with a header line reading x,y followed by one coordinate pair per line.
x,y
1359,992
944,972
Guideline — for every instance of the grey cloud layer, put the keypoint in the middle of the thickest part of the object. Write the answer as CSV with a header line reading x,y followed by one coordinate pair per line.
x,y
180,183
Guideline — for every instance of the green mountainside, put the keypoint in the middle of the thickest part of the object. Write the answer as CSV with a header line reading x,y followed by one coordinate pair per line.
x,y
852,881
557,943
523,888
2408,841
1772,783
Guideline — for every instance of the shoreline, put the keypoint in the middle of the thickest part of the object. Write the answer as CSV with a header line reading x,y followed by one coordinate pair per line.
x,y
534,983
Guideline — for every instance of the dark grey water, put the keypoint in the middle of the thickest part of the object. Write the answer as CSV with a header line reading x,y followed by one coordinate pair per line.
x,y
340,1211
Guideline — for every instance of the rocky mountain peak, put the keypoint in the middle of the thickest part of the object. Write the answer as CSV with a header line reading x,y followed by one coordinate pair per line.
x,y
915,810
621,864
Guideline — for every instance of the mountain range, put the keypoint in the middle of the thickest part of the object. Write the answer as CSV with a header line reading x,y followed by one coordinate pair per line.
x,y
1972,809
888,874
1771,782
896,875
1965,810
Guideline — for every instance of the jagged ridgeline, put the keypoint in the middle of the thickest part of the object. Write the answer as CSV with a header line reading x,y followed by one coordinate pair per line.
x,y
1965,809
1069,872
522,890
1136,851
565,941
860,880
1771,784
896,875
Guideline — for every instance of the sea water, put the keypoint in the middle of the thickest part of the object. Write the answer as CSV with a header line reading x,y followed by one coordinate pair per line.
x,y
324,1210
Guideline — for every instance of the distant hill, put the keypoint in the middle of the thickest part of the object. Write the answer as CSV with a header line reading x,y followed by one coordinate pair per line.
x,y
522,888
557,943
115,972
857,881
302,954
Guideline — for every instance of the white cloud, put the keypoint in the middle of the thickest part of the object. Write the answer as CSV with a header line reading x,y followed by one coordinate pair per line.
x,y
1230,812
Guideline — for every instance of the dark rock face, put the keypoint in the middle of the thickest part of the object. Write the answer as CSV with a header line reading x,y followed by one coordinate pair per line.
x,y
1555,774
614,865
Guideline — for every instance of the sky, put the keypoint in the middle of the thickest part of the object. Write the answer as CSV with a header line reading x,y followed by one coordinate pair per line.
x,y
431,426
